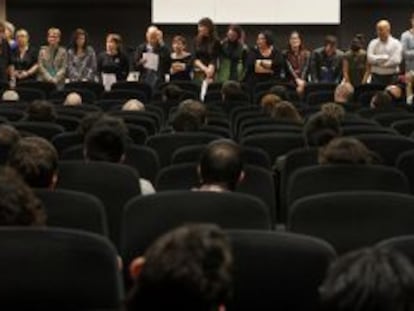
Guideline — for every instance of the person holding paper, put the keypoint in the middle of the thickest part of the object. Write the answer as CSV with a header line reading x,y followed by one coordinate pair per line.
x,y
113,63
384,55
152,58
207,49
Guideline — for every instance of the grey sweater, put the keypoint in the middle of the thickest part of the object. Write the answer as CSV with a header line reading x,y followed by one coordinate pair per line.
x,y
407,41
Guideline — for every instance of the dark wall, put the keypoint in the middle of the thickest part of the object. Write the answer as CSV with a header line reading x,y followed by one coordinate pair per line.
x,y
131,17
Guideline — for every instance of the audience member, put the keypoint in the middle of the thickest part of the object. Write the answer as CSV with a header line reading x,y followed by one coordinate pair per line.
x,y
344,93
185,121
24,58
171,93
221,166
133,105
320,129
196,108
326,62
369,279
82,61
231,91
281,91
9,137
181,60
73,99
381,101
384,55
355,68
53,60
36,160
268,103
285,111
334,110
41,111
187,269
10,96
18,204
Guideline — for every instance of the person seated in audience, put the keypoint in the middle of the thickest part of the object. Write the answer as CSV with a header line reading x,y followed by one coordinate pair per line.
x,y
206,51
297,62
377,278
320,129
326,62
355,67
233,56
171,93
24,58
154,48
265,61
18,204
231,91
221,167
397,92
81,58
9,137
185,121
88,121
10,96
381,101
285,111
9,35
181,60
41,111
268,103
133,105
113,62
187,269
6,66
107,142
36,160
334,110
196,108
344,93
53,60
345,150
281,91
73,99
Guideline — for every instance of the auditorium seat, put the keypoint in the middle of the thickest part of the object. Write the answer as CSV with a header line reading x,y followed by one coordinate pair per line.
x,y
96,88
43,129
45,87
317,98
132,85
30,94
403,244
386,119
125,95
405,164
88,96
404,127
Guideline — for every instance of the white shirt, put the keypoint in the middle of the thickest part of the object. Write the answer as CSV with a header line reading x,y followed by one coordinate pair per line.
x,y
385,57
146,187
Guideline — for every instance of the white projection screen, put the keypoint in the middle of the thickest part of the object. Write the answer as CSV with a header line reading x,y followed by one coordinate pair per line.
x,y
290,12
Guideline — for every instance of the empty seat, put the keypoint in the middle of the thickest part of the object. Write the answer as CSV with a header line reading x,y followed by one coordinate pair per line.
x,y
30,94
45,87
67,140
404,127
350,220
52,269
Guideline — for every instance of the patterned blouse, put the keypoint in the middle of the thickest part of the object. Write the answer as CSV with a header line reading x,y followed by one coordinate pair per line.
x,y
82,67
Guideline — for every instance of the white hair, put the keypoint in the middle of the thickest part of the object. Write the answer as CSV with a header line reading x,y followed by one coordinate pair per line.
x,y
133,105
73,99
10,96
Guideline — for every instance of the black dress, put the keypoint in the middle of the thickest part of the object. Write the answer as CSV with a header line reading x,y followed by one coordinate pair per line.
x,y
207,51
182,75
26,61
5,59
252,77
117,64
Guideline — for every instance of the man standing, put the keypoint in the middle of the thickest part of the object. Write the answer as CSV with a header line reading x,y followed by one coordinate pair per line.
x,y
384,55
5,55
407,41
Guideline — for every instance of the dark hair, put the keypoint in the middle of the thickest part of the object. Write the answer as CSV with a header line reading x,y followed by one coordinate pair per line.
x,y
212,37
18,204
345,150
36,160
88,121
381,99
237,29
41,111
76,34
171,92
268,35
281,91
105,143
320,129
9,137
194,107
185,121
186,269
286,111
302,42
221,163
331,40
209,24
117,39
356,44
231,90
375,279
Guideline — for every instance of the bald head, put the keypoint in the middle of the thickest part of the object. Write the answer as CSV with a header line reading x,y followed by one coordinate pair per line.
x,y
73,99
383,30
152,35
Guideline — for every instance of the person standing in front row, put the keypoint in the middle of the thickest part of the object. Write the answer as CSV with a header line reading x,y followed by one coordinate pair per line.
x,y
407,41
384,55
181,60
5,55
24,58
355,66
326,62
53,59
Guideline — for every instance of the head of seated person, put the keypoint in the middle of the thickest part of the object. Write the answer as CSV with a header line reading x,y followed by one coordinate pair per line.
x,y
221,167
133,105
105,144
334,110
187,269
320,129
36,160
9,137
281,91
10,96
73,99
194,107
88,121
100,119
171,93
41,111
381,100
396,91
231,91
268,103
185,121
345,150
344,93
18,204
377,279
286,111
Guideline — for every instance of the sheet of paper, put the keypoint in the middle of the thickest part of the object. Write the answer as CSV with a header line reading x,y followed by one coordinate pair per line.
x,y
133,76
204,88
107,80
152,61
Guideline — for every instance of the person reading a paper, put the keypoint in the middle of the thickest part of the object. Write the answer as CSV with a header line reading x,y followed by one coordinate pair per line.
x,y
152,58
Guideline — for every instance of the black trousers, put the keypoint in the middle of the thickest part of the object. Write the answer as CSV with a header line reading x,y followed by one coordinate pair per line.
x,y
384,79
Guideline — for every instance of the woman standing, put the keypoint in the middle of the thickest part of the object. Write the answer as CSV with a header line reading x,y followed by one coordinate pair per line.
x,y
297,61
181,60
81,58
265,61
356,69
24,58
207,49
113,60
